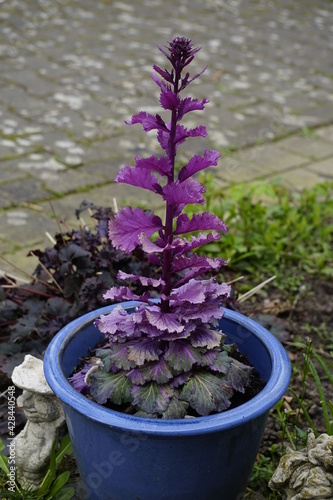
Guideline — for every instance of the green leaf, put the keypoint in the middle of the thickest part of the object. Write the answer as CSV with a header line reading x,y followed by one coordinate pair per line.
x,y
3,464
143,350
15,496
3,459
119,357
104,355
176,408
151,397
50,474
144,414
65,494
207,392
65,449
59,482
321,392
222,363
181,356
238,375
2,446
113,386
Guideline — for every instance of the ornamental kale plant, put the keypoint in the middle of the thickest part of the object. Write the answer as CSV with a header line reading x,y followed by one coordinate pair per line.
x,y
166,358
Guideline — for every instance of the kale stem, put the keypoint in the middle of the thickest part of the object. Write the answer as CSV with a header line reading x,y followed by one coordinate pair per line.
x,y
169,216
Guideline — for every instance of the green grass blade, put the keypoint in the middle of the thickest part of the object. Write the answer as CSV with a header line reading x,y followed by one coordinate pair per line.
x,y
305,412
3,459
320,391
324,364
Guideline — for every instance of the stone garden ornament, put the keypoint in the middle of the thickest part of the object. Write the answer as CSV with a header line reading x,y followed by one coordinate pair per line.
x,y
45,423
306,474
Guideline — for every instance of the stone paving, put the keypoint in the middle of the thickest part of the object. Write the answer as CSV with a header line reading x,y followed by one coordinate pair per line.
x,y
73,70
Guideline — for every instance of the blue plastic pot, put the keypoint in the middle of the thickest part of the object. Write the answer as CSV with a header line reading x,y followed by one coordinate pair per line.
x,y
122,457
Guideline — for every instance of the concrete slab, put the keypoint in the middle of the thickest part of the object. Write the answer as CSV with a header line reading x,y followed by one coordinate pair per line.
x,y
272,158
308,146
21,191
235,169
299,179
323,168
325,133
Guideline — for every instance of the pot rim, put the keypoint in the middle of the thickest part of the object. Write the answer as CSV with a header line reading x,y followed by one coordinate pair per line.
x,y
274,389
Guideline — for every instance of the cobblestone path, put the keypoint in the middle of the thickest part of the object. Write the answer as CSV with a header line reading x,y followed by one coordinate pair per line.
x,y
73,70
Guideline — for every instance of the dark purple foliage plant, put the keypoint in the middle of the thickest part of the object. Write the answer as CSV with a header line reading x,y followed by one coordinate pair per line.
x,y
167,358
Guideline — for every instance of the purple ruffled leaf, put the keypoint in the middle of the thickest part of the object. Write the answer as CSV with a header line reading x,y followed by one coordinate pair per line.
x,y
184,334
189,104
186,81
198,163
163,86
163,137
128,224
169,100
149,330
183,193
136,377
157,371
138,177
163,321
151,397
164,52
190,274
207,392
181,356
199,222
217,289
208,357
180,379
142,350
193,292
206,312
78,380
150,247
124,293
164,73
204,336
195,261
118,321
210,309
183,133
119,357
143,280
161,165
149,122
182,245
